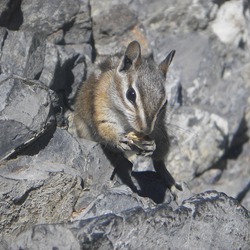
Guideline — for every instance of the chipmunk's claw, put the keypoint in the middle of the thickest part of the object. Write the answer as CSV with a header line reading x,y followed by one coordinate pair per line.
x,y
124,144
145,148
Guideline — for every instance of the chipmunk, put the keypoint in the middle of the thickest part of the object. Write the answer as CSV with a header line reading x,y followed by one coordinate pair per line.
x,y
128,96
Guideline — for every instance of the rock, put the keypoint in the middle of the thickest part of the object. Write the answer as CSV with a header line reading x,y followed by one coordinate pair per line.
x,y
164,16
201,142
50,200
201,215
124,18
66,23
65,66
202,82
23,54
60,67
59,191
48,184
114,26
51,65
81,30
61,23
70,166
47,17
99,169
115,200
230,13
232,178
26,113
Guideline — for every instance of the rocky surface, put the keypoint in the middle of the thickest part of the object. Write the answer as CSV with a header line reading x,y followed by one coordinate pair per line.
x,y
56,189
159,228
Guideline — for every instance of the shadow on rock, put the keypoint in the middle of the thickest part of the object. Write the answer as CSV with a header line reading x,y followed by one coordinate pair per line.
x,y
146,184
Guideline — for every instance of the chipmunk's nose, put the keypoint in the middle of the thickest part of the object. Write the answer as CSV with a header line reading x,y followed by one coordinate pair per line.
x,y
146,125
149,126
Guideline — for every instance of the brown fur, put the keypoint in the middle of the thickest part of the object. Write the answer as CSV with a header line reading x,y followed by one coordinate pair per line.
x,y
101,105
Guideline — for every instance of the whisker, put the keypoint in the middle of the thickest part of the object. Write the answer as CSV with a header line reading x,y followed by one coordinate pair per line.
x,y
179,129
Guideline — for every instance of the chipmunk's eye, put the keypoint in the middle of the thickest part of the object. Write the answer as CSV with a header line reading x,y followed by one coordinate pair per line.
x,y
131,95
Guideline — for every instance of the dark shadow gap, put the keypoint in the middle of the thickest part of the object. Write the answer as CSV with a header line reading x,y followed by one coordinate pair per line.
x,y
243,193
12,17
36,146
146,184
238,141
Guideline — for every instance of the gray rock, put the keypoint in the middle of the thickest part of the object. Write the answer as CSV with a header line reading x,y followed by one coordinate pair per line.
x,y
202,79
168,15
26,202
201,142
54,177
58,67
23,54
51,64
70,166
57,152
46,16
199,223
81,30
65,66
114,26
62,23
123,17
48,184
114,200
231,178
72,18
25,113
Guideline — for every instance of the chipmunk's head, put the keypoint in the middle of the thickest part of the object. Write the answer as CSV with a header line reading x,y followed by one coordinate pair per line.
x,y
140,89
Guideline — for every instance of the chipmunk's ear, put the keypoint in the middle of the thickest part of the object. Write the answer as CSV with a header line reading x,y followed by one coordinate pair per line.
x,y
131,58
166,62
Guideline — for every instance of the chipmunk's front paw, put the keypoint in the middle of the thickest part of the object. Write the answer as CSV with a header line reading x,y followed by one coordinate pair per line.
x,y
124,144
142,145
148,147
